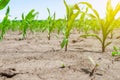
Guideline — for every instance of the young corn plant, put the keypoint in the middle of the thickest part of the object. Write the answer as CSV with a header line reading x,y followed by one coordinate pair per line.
x,y
42,25
50,23
60,23
15,24
116,51
106,24
5,24
82,22
95,66
71,14
26,21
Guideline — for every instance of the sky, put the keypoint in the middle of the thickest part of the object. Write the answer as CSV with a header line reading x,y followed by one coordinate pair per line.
x,y
17,7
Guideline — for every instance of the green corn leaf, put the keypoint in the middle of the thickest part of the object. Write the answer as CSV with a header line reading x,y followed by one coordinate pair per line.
x,y
91,15
5,19
107,44
82,17
8,10
23,16
67,8
64,42
76,7
117,9
109,10
93,35
84,36
31,15
3,3
54,16
73,17
5,22
86,10
118,53
115,53
96,13
70,22
110,13
48,11
115,48
86,3
34,15
90,6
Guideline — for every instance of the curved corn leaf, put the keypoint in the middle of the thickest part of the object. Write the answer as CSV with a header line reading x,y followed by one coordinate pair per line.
x,y
93,35
31,15
76,7
96,13
3,3
86,3
90,6
107,44
91,15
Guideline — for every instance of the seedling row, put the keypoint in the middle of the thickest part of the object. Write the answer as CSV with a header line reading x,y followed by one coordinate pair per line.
x,y
82,17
